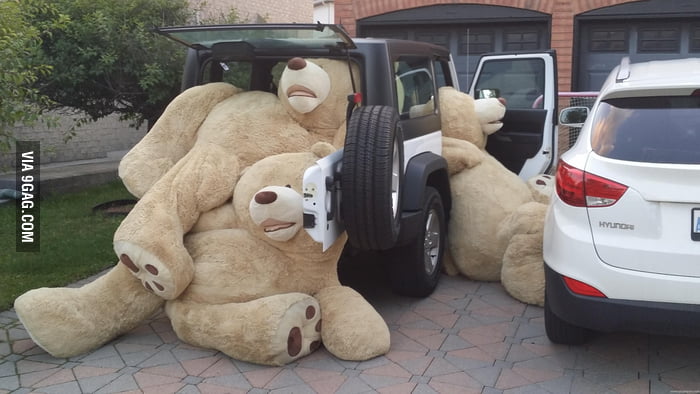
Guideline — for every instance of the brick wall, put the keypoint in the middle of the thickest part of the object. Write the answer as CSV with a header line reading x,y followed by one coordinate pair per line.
x,y
278,11
92,141
347,12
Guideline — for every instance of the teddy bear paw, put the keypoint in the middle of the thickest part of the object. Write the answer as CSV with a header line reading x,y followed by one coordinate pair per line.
x,y
299,332
155,276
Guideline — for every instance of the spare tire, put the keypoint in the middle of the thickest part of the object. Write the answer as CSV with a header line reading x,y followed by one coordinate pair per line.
x,y
372,178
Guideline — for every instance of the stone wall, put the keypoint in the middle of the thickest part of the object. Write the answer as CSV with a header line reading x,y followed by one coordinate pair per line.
x,y
92,141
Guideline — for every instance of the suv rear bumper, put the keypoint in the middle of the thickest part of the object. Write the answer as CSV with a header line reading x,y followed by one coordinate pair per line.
x,y
609,315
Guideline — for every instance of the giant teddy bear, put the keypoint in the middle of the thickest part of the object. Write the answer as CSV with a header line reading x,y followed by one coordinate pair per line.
x,y
497,219
262,290
185,170
190,162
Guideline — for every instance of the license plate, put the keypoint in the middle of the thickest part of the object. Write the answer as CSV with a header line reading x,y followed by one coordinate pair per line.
x,y
695,224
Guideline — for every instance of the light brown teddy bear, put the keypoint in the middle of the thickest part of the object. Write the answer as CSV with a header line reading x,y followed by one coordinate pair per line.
x,y
190,162
497,219
263,292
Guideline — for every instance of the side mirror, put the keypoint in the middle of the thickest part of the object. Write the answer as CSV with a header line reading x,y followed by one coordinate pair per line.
x,y
488,93
573,116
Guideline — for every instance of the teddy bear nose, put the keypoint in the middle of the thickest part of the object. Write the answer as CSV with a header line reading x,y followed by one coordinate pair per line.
x,y
296,63
265,197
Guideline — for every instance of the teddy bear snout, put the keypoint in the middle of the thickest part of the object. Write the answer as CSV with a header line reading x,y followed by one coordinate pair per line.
x,y
296,63
266,197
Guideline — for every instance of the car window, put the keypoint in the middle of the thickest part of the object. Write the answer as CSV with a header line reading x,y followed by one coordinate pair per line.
x,y
519,81
235,73
441,69
414,86
648,129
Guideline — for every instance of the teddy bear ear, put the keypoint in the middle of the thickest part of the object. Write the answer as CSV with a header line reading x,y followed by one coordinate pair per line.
x,y
322,149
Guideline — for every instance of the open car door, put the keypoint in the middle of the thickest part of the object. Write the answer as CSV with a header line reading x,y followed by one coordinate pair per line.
x,y
527,142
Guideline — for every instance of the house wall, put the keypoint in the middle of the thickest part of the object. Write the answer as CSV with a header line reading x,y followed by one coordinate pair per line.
x,y
348,12
278,11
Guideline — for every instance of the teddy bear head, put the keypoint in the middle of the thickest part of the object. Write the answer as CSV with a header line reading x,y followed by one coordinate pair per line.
x,y
472,120
314,91
268,197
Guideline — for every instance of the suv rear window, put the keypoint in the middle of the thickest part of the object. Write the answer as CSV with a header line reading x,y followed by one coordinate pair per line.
x,y
661,129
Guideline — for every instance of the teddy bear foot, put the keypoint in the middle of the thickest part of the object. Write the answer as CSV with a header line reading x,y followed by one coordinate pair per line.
x,y
300,330
273,330
153,273
67,322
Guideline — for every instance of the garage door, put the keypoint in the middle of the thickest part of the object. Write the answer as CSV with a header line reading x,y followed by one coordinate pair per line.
x,y
646,30
467,30
605,44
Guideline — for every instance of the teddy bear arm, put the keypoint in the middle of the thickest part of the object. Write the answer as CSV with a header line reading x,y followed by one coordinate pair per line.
x,y
67,322
171,137
273,330
460,154
352,328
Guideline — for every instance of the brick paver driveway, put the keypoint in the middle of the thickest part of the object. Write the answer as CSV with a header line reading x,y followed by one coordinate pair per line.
x,y
468,337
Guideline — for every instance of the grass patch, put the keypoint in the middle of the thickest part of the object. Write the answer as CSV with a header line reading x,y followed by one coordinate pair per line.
x,y
74,242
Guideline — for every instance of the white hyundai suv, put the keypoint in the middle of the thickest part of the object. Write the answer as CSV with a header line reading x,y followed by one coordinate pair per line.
x,y
622,233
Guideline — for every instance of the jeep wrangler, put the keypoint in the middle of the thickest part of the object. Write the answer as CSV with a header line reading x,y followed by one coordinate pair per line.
x,y
388,188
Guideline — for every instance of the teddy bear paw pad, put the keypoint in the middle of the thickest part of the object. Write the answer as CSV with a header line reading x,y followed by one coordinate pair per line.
x,y
155,276
302,326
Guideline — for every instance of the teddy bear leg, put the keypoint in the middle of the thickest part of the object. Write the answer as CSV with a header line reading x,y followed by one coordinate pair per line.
x,y
522,272
171,137
352,328
70,321
523,269
149,241
273,330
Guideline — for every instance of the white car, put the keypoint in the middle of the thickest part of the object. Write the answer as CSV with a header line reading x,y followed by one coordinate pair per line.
x,y
622,233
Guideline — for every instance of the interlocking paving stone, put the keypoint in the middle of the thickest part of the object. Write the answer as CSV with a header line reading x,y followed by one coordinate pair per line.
x,y
7,368
377,382
468,337
421,389
9,383
188,389
90,384
193,380
63,388
234,381
327,385
354,385
122,383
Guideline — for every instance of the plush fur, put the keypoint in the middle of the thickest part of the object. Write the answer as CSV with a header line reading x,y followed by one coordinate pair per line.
x,y
259,292
496,223
198,164
522,273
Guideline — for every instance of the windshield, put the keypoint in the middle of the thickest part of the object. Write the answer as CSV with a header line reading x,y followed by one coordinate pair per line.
x,y
649,129
261,36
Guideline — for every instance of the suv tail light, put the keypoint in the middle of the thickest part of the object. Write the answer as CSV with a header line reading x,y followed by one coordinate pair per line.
x,y
581,189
